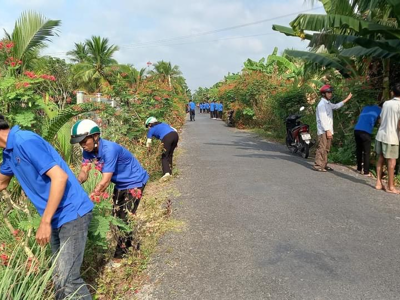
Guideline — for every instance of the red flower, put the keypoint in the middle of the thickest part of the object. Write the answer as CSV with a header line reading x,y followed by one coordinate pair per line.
x,y
4,259
15,232
136,193
10,45
30,74
26,84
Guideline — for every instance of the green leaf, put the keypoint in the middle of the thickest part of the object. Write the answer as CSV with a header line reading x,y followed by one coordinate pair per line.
x,y
289,31
372,52
328,22
25,119
51,129
99,226
320,59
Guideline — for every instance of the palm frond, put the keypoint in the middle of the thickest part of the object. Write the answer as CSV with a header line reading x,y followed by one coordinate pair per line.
x,y
32,30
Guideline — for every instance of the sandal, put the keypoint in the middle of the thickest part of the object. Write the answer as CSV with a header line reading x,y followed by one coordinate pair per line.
x,y
329,169
318,169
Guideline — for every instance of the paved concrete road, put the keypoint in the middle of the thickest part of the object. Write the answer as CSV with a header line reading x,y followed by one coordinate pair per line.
x,y
260,224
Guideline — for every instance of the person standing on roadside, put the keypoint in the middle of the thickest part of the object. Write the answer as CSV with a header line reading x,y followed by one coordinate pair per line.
x,y
169,137
63,205
362,133
324,116
192,107
117,165
387,140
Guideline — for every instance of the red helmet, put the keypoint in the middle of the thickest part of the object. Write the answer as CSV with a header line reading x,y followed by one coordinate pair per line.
x,y
326,89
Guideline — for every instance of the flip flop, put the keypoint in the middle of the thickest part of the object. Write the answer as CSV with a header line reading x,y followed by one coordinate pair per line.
x,y
318,169
329,169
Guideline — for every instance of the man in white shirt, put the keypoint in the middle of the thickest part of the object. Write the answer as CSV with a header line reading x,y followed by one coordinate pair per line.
x,y
387,140
325,127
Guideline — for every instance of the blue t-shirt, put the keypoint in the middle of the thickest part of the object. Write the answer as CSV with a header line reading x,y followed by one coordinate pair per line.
x,y
367,118
159,131
192,105
126,169
207,105
220,107
212,106
28,157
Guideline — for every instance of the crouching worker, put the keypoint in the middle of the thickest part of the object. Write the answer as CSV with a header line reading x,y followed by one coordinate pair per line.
x,y
118,166
65,208
169,137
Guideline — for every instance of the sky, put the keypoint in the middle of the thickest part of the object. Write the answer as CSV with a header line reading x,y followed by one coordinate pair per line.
x,y
195,35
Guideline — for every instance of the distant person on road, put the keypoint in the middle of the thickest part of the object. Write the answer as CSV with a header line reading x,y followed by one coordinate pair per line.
x,y
192,107
63,205
362,133
324,116
117,165
387,140
220,109
207,106
169,137
212,110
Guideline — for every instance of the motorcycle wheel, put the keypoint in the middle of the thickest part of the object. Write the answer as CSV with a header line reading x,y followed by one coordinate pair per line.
x,y
305,151
292,149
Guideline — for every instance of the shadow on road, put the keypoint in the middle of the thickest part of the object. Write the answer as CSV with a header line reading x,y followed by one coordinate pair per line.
x,y
277,151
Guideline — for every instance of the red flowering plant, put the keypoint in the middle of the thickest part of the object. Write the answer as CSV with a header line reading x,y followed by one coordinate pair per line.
x,y
103,218
19,90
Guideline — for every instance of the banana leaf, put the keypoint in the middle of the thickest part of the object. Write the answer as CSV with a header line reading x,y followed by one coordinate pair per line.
x,y
320,59
317,22
372,52
289,31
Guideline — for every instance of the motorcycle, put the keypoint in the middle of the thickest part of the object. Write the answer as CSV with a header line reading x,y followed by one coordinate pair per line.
x,y
298,137
229,119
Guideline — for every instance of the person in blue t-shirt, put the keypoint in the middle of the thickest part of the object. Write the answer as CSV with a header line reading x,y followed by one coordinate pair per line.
x,y
169,137
212,110
118,166
362,133
192,107
220,108
63,205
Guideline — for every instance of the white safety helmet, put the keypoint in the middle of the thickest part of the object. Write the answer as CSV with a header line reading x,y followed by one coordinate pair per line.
x,y
149,121
82,129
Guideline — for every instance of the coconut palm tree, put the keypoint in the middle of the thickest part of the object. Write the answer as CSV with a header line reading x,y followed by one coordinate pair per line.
x,y
31,32
165,71
80,54
97,68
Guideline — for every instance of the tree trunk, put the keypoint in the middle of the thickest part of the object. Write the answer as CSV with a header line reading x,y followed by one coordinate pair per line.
x,y
169,81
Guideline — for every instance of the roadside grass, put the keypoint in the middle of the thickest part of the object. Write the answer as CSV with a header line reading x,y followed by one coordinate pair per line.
x,y
152,220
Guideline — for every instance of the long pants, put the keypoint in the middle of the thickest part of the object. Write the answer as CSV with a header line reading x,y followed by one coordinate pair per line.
x,y
125,202
363,150
212,113
192,114
323,148
220,114
170,142
68,242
